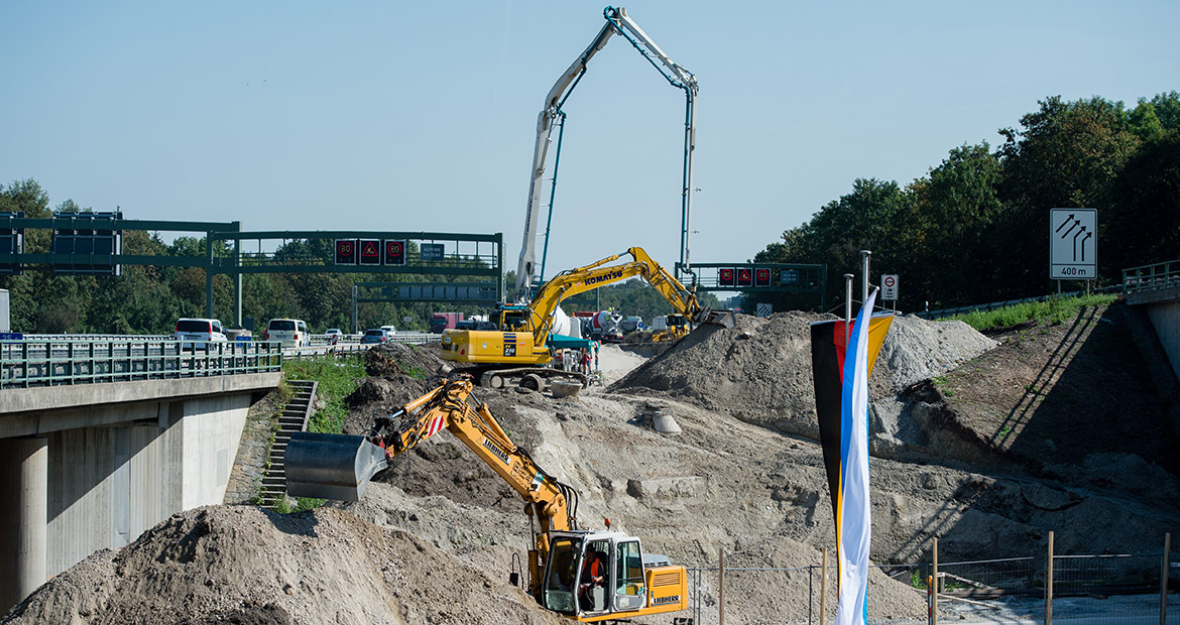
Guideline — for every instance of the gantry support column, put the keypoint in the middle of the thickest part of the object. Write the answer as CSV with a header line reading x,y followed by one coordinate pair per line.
x,y
24,470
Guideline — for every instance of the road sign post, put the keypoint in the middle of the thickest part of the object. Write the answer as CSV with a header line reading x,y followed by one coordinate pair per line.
x,y
1073,243
889,287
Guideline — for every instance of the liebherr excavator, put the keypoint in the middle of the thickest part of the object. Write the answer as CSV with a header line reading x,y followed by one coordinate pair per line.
x,y
520,344
334,466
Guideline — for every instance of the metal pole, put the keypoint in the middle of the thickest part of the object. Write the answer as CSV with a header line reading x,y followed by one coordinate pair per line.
x,y
721,587
209,275
1049,584
934,583
847,308
552,194
690,140
864,258
500,266
1164,578
354,328
823,588
238,280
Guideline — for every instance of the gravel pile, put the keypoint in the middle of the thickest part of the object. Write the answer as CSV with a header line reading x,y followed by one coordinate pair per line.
x,y
242,565
760,370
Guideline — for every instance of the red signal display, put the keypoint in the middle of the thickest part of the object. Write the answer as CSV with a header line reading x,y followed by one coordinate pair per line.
x,y
725,277
745,276
345,251
370,251
395,252
761,277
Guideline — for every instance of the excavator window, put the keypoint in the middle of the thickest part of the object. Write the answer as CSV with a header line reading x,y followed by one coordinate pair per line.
x,y
629,577
560,582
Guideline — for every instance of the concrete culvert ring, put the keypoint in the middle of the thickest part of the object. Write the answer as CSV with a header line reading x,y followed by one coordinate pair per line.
x,y
496,381
532,381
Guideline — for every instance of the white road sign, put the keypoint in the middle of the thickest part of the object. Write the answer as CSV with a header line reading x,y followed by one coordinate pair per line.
x,y
1073,243
889,287
764,309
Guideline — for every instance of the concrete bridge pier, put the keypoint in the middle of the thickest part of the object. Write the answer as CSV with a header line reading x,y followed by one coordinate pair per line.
x,y
23,512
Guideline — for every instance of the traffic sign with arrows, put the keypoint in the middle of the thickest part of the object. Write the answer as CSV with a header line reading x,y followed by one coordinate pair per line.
x,y
1073,243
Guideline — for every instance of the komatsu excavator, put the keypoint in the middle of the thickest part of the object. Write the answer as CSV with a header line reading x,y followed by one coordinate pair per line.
x,y
520,345
335,466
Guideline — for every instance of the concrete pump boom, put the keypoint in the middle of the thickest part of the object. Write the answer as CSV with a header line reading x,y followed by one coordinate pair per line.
x,y
552,116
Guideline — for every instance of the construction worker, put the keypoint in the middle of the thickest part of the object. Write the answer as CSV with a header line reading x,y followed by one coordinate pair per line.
x,y
593,576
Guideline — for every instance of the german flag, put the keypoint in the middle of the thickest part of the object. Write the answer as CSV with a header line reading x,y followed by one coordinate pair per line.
x,y
842,358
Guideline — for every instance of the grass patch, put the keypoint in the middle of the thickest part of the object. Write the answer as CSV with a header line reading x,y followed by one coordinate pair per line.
x,y
1053,311
337,380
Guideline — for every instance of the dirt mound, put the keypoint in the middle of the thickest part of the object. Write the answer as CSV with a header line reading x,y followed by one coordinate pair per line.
x,y
419,361
760,370
240,564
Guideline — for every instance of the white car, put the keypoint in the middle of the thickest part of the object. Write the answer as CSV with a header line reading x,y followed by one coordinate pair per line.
x,y
389,330
193,332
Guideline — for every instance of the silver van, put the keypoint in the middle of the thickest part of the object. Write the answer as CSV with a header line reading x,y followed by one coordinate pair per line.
x,y
289,332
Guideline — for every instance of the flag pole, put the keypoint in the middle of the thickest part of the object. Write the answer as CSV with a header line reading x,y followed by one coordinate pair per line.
x,y
847,308
864,281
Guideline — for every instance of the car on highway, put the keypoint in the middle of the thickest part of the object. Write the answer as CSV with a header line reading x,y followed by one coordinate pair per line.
x,y
194,333
376,335
389,330
288,332
334,333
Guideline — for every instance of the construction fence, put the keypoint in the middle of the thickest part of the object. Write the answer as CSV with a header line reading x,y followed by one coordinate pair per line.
x,y
1037,588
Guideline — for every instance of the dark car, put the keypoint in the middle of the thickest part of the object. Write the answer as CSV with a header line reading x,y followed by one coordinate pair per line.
x,y
376,335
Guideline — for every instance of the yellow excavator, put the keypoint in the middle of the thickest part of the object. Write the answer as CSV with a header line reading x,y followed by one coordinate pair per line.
x,y
563,576
521,344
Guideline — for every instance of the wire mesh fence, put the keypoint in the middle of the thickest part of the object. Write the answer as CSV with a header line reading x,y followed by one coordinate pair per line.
x,y
1092,589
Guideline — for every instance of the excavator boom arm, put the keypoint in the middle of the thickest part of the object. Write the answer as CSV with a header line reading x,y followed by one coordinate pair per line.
x,y
600,273
454,407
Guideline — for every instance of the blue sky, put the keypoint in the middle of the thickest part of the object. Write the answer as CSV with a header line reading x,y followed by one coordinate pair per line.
x,y
421,116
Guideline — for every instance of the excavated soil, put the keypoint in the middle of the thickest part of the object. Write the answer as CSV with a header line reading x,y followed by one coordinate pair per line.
x,y
436,535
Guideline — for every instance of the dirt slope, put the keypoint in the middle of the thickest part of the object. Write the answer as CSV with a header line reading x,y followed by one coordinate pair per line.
x,y
435,537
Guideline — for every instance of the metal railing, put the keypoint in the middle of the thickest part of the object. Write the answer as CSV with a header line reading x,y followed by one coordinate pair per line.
x,y
29,363
1152,277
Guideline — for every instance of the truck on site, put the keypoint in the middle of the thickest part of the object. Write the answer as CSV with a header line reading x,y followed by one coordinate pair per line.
x,y
440,321
628,583
520,346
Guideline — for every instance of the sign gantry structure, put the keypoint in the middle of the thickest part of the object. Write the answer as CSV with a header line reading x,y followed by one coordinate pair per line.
x,y
91,244
762,278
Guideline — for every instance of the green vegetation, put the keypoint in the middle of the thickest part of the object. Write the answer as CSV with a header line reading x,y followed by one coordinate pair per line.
x,y
337,379
1053,311
973,229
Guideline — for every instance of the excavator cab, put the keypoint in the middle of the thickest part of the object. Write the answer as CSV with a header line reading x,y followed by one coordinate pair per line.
x,y
623,583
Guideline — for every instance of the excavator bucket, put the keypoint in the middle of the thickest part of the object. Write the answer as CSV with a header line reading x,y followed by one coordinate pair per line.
x,y
331,466
720,318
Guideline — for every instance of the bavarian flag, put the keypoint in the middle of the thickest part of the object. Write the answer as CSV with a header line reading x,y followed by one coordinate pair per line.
x,y
842,359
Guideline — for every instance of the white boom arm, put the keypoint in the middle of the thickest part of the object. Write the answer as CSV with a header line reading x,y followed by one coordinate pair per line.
x,y
617,23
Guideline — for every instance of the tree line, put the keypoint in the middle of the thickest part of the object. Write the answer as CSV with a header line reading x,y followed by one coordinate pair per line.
x,y
974,229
